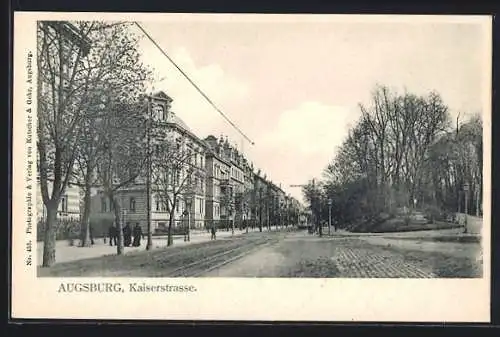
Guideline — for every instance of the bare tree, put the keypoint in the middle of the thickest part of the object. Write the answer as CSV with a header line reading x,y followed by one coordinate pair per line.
x,y
124,155
74,59
173,176
123,84
401,150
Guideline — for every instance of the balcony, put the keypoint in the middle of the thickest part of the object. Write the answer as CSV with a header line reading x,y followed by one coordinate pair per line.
x,y
225,182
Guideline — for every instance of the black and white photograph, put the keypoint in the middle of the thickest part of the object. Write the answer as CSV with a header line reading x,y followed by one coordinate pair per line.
x,y
257,147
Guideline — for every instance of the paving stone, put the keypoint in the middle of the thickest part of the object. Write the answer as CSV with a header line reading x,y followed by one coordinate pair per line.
x,y
364,263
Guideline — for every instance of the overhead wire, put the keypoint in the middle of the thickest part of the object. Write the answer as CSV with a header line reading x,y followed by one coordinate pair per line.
x,y
194,84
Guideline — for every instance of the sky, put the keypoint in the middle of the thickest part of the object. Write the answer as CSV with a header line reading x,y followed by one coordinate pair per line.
x,y
293,86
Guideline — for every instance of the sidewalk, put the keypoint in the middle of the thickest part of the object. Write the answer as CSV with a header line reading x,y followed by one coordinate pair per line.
x,y
66,253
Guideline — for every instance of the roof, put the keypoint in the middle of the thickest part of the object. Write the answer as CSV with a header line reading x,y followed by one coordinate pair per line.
x,y
162,95
177,120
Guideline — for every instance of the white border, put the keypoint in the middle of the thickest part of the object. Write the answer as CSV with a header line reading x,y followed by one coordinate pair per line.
x,y
435,300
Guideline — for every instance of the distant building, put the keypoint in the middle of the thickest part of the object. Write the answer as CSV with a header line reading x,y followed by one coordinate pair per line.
x,y
69,206
260,199
218,189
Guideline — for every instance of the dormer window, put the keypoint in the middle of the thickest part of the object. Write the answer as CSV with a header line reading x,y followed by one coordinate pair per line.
x,y
159,112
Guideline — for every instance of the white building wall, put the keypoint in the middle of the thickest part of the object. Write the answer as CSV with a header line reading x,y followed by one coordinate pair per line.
x,y
69,206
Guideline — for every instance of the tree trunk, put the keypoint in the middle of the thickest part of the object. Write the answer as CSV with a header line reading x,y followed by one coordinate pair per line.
x,y
170,240
119,247
86,217
49,242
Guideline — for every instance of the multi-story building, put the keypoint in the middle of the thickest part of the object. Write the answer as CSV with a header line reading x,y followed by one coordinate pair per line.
x,y
69,206
218,169
167,127
249,209
229,183
260,198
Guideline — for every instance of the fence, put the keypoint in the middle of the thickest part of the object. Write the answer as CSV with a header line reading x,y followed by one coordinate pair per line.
x,y
69,229
179,227
66,229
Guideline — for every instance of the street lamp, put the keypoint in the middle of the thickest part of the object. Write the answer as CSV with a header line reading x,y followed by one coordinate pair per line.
x,y
245,206
329,216
149,244
466,194
188,201
231,216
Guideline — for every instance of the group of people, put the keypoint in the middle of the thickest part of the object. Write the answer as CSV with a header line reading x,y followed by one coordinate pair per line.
x,y
127,235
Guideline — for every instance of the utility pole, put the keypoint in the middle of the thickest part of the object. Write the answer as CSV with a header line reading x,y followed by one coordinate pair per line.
x,y
329,216
149,244
466,194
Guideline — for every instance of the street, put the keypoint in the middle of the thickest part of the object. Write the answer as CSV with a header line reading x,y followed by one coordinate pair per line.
x,y
292,254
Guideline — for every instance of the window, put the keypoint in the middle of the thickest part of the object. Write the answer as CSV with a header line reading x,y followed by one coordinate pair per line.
x,y
157,204
177,207
159,112
103,205
64,204
132,204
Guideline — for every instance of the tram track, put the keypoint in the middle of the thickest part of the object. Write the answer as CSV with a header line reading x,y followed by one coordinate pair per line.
x,y
211,262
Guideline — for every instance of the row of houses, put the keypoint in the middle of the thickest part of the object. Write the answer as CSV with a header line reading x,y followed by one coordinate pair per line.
x,y
227,186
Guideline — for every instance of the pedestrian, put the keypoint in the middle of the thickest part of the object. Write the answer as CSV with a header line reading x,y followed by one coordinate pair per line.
x,y
213,236
137,235
127,235
113,233
91,234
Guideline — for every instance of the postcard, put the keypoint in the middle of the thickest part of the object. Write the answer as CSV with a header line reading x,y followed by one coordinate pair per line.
x,y
251,167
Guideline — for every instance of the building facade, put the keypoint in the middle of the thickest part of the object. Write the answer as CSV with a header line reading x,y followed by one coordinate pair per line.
x,y
218,170
186,184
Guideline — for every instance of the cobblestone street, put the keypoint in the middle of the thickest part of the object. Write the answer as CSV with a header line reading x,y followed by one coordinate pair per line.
x,y
289,254
303,255
359,262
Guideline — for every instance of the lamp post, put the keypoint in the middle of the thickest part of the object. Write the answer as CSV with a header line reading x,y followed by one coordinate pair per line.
x,y
466,194
260,209
287,213
188,200
245,205
231,215
149,244
329,216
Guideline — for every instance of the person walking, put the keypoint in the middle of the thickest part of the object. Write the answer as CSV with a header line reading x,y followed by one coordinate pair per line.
x,y
137,235
91,234
127,235
213,236
113,234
